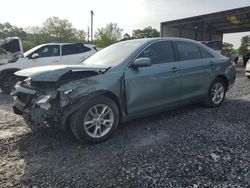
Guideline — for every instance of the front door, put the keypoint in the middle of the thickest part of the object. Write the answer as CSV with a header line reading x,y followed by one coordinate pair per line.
x,y
157,85
47,55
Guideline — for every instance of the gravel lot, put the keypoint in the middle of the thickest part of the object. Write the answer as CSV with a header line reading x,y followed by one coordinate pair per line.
x,y
188,147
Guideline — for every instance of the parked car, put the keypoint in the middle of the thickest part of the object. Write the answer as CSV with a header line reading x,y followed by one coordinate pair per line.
x,y
124,81
45,54
215,45
246,57
248,69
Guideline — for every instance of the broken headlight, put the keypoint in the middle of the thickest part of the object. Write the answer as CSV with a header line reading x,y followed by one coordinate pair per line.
x,y
26,82
43,101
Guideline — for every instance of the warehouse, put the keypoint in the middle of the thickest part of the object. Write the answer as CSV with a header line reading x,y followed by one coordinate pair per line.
x,y
209,27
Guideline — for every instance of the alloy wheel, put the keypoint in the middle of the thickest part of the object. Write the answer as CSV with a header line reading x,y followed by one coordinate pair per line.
x,y
217,93
98,120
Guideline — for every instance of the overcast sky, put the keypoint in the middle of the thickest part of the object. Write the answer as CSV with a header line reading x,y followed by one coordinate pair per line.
x,y
129,14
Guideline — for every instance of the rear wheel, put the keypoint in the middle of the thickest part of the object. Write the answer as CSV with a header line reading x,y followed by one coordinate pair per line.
x,y
96,120
248,77
216,93
7,82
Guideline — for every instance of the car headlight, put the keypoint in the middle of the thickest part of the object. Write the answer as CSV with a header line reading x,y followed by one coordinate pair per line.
x,y
43,101
27,80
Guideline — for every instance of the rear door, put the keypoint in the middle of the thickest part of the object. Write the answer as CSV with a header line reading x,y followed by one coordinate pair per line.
x,y
157,85
197,66
75,53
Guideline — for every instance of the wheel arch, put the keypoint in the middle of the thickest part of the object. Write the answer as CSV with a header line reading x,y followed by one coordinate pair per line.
x,y
226,81
68,112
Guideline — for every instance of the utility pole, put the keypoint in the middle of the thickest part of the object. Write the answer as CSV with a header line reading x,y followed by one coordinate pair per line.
x,y
92,14
88,35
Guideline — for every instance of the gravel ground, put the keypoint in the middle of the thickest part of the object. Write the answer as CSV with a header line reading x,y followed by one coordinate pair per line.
x,y
188,147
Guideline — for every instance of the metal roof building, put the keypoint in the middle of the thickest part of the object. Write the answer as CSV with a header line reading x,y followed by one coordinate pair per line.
x,y
209,26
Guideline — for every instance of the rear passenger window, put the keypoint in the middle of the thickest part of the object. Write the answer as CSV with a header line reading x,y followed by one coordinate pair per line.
x,y
160,52
187,51
205,54
74,49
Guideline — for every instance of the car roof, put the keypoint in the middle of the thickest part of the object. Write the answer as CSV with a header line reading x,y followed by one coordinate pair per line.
x,y
66,43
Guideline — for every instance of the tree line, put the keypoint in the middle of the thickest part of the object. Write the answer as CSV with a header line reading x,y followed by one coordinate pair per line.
x,y
55,29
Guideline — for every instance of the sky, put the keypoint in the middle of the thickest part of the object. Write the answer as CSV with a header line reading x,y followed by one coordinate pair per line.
x,y
129,14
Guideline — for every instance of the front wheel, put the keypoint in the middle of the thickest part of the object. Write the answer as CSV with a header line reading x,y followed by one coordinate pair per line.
x,y
248,77
96,120
216,93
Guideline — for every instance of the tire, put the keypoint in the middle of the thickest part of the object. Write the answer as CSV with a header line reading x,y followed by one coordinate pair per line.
x,y
7,82
101,128
212,99
248,77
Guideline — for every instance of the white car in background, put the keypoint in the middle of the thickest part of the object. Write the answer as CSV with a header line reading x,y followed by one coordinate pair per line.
x,y
45,54
248,69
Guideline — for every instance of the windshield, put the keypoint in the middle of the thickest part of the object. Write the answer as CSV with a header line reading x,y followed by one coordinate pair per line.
x,y
31,50
114,54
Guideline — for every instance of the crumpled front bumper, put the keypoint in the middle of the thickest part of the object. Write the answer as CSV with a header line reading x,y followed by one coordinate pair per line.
x,y
25,105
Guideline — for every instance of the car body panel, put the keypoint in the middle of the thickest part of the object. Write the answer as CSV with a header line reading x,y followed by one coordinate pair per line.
x,y
53,73
147,80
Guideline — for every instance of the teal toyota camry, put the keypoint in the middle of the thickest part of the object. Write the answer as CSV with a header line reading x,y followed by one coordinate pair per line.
x,y
121,82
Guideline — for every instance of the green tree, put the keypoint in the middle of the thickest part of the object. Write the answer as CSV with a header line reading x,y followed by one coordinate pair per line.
x,y
37,36
227,49
245,44
58,29
147,32
8,30
80,35
108,35
27,45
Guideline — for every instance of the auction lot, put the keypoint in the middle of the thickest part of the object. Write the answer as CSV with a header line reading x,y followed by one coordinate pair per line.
x,y
188,147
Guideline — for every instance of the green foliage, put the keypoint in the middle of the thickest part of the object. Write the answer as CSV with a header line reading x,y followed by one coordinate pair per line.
x,y
27,45
56,29
147,32
80,35
108,35
245,44
61,30
227,49
8,30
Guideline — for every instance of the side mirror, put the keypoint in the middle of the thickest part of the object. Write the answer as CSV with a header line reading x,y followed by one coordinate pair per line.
x,y
141,62
35,56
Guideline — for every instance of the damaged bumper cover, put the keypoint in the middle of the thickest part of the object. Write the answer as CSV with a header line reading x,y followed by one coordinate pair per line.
x,y
34,106
47,108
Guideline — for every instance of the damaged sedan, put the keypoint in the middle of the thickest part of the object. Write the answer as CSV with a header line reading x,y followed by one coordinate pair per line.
x,y
124,81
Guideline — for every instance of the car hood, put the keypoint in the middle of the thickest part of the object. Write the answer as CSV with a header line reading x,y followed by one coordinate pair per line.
x,y
52,73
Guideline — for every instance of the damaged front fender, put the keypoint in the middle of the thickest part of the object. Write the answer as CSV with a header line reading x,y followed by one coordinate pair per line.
x,y
71,92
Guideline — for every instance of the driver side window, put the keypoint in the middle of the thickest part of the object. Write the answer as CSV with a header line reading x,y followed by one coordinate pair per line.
x,y
48,51
160,52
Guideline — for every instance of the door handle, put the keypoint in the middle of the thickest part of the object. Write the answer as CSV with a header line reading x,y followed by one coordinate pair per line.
x,y
174,69
211,63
